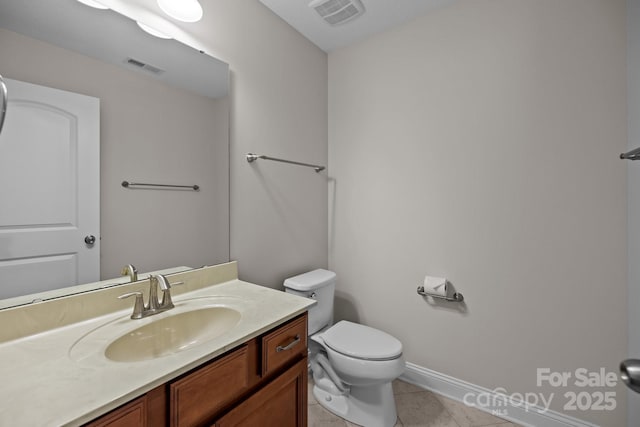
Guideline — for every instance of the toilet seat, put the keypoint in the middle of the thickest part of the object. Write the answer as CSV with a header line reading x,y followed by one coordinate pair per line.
x,y
362,342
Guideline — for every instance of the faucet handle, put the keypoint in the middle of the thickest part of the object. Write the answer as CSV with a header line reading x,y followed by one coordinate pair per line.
x,y
162,281
138,306
166,295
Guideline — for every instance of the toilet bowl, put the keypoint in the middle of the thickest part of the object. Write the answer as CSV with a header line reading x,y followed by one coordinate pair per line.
x,y
361,355
365,361
353,365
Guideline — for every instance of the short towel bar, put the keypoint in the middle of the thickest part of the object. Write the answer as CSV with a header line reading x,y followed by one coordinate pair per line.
x,y
127,184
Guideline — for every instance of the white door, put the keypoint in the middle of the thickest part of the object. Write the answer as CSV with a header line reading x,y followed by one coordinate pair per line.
x,y
49,190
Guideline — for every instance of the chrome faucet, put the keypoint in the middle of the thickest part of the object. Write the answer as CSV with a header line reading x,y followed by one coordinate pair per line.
x,y
131,271
153,306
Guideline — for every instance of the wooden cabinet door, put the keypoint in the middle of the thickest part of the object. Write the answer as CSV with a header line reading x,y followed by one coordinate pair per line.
x,y
195,399
281,403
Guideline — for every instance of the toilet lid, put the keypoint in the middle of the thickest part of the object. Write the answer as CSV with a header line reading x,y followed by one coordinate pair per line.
x,y
361,341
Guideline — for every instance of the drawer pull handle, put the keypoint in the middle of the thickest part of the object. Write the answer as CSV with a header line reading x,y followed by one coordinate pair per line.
x,y
288,346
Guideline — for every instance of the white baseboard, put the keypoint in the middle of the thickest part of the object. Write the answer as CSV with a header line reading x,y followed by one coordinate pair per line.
x,y
453,388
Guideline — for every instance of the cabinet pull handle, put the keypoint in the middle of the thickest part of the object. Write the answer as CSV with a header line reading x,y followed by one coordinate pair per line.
x,y
288,346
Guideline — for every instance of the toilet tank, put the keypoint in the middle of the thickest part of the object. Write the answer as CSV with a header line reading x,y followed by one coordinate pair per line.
x,y
319,285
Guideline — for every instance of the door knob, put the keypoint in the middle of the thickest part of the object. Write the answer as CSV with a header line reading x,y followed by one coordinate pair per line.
x,y
90,240
630,374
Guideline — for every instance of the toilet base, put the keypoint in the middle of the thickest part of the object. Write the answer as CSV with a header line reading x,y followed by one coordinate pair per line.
x,y
372,406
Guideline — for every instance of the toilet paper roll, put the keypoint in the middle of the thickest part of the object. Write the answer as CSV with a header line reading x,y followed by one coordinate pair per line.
x,y
437,285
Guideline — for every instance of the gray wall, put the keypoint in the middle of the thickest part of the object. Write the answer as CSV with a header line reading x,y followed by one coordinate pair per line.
x,y
480,143
278,108
633,177
150,132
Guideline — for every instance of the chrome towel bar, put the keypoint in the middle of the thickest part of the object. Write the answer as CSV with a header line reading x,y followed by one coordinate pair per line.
x,y
5,100
631,155
127,184
457,296
253,157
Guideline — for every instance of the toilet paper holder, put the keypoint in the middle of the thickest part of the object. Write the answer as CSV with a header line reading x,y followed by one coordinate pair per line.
x,y
456,297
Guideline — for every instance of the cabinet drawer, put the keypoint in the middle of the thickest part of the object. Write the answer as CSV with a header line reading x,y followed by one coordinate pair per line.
x,y
195,399
284,344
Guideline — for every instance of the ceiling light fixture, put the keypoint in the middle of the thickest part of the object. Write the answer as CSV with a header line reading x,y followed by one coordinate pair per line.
x,y
153,31
182,10
93,3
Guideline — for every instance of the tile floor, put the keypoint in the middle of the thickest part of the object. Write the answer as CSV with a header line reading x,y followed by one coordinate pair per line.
x,y
416,408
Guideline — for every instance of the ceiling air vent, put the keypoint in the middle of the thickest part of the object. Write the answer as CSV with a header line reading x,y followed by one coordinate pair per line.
x,y
337,12
142,66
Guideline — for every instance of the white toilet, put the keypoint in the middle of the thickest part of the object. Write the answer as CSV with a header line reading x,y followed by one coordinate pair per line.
x,y
353,365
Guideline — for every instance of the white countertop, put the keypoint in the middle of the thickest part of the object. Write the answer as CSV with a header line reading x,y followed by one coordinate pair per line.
x,y
45,383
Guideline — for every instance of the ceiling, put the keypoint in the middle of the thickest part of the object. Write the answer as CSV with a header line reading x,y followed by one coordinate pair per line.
x,y
379,15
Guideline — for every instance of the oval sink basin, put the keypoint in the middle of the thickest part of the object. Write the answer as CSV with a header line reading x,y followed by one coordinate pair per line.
x,y
172,334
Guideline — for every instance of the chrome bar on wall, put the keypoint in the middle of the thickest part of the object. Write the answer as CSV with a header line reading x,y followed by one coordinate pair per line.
x,y
4,100
127,184
631,155
253,157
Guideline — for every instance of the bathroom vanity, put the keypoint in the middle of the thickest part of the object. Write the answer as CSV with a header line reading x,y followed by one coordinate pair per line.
x,y
250,371
262,382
